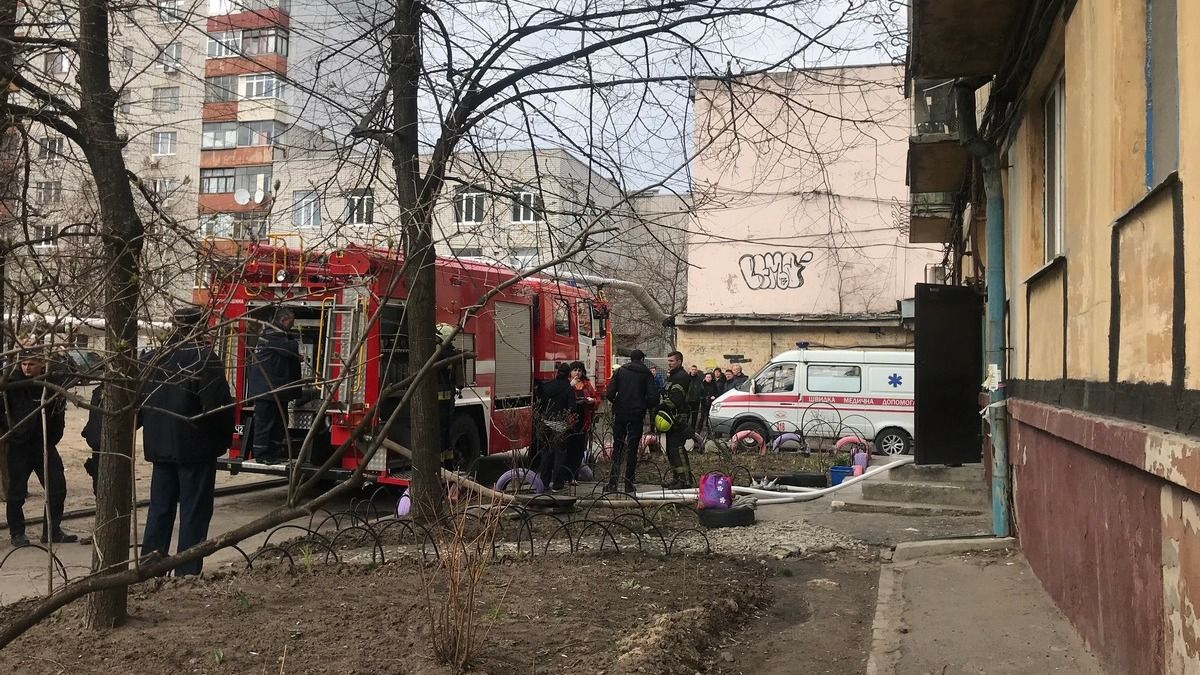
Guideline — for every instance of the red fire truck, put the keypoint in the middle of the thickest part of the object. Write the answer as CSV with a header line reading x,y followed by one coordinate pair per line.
x,y
517,338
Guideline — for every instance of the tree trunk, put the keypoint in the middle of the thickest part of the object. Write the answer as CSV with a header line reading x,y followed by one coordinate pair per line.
x,y
121,231
428,497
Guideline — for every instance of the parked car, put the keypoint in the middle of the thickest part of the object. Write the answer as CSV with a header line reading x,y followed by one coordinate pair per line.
x,y
86,362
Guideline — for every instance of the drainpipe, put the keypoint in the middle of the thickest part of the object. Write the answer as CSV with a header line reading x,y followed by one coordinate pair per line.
x,y
989,160
637,290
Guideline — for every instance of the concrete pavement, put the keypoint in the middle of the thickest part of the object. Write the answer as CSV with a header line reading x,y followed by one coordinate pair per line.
x,y
977,612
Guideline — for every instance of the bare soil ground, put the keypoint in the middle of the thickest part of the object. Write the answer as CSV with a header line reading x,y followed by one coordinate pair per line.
x,y
550,614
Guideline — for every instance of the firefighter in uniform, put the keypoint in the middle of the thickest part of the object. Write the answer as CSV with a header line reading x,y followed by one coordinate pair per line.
x,y
449,383
675,403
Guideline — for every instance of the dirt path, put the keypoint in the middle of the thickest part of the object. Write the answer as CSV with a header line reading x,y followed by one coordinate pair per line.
x,y
818,620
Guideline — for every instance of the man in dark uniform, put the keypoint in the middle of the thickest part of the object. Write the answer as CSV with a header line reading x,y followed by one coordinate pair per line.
x,y
187,423
28,405
675,402
631,392
272,381
449,382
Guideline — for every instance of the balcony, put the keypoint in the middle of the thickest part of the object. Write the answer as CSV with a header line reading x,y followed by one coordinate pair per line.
x,y
936,160
930,216
961,38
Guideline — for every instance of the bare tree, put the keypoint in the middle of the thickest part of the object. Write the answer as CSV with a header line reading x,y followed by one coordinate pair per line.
x,y
438,80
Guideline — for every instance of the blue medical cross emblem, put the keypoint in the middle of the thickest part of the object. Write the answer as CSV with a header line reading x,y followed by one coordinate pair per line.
x,y
895,380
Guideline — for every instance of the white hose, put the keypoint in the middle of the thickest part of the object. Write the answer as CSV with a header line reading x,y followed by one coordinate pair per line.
x,y
799,494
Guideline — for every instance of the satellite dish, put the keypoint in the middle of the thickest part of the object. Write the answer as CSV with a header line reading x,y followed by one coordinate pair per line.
x,y
241,196
259,196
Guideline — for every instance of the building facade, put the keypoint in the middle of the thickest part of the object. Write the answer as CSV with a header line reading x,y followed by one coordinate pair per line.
x,y
797,233
1068,181
237,133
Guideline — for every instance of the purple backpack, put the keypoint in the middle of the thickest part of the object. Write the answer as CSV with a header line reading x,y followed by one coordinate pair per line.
x,y
716,491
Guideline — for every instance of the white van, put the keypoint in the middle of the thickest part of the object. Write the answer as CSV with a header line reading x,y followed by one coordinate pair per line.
x,y
826,394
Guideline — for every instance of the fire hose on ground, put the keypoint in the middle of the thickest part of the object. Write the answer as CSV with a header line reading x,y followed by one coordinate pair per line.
x,y
783,494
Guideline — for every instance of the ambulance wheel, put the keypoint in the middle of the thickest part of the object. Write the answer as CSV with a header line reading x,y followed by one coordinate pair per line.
x,y
893,441
466,441
755,426
734,516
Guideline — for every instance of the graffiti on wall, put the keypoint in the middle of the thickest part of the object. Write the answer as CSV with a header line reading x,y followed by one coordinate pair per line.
x,y
774,270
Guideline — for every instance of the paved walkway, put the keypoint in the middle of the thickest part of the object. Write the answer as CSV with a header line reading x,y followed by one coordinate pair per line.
x,y
972,613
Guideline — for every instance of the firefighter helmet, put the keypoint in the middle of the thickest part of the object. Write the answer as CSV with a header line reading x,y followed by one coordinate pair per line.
x,y
663,421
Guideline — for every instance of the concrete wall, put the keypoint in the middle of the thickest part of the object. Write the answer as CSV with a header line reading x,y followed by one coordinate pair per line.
x,y
796,182
707,346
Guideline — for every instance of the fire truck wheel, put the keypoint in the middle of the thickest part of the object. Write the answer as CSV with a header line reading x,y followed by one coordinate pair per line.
x,y
465,439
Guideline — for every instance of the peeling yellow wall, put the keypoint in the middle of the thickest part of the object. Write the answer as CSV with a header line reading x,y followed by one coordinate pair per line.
x,y
1189,174
707,346
1147,285
1181,579
1046,327
1106,94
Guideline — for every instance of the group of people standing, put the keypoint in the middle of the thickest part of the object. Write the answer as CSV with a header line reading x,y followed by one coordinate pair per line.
x,y
185,411
704,388
566,408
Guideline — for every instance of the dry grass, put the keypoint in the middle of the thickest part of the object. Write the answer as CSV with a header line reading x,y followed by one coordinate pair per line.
x,y
453,585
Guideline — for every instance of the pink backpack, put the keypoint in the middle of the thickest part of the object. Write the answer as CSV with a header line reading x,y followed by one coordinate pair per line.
x,y
716,491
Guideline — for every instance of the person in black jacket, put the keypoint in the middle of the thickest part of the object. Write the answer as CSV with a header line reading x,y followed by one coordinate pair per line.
x,y
632,392
272,381
187,423
29,406
556,415
675,402
739,378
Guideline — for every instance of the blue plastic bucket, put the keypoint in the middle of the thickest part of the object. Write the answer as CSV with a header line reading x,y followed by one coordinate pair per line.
x,y
837,474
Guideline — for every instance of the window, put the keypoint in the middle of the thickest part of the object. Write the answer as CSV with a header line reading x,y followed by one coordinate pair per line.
x,y
360,207
43,234
218,135
215,224
1162,90
47,192
467,252
216,181
57,63
468,205
218,89
583,318
1052,224
226,43
219,7
165,99
54,19
163,143
51,148
170,11
163,187
254,180
835,379
523,257
124,101
256,133
264,41
562,317
306,208
779,378
527,207
249,226
170,57
127,56
261,86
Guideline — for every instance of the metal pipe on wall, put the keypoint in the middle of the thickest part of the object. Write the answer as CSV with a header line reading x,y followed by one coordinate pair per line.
x,y
989,161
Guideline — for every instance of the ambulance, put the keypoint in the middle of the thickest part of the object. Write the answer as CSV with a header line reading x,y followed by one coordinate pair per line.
x,y
825,394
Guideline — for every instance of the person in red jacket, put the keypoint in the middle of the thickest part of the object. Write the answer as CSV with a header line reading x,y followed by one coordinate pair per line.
x,y
586,399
